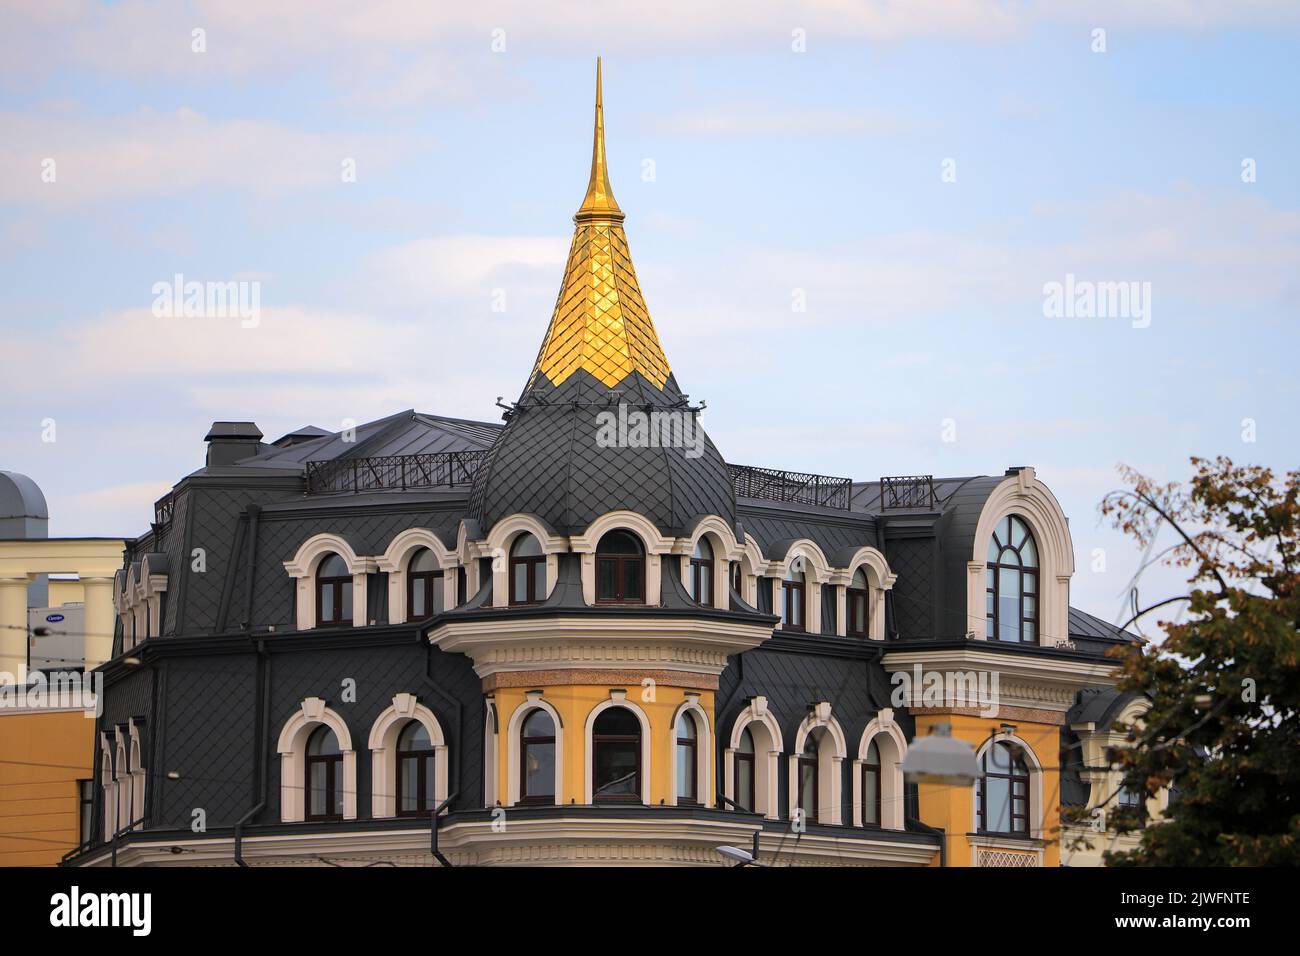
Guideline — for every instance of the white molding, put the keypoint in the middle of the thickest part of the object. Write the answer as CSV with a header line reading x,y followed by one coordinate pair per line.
x,y
394,563
703,751
513,784
892,745
768,746
383,753
501,539
302,568
1036,808
655,544
832,750
292,746
587,773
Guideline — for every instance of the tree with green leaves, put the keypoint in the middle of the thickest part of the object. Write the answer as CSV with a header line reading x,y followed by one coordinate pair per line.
x,y
1223,730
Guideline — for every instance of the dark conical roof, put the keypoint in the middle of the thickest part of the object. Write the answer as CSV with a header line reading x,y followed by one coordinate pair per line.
x,y
600,360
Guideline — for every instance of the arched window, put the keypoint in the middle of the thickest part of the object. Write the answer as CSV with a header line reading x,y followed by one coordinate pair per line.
x,y
688,789
333,592
424,586
1011,583
537,758
616,757
871,786
620,569
701,579
857,605
794,597
414,771
745,771
808,774
324,776
1002,793
527,571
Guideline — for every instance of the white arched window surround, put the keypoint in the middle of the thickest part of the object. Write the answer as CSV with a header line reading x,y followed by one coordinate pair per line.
x,y
292,747
722,539
618,698
751,567
832,751
766,733
703,751
501,539
135,763
655,544
817,572
532,701
383,753
891,743
879,580
491,753
1035,785
107,786
121,780
303,569
1024,496
397,557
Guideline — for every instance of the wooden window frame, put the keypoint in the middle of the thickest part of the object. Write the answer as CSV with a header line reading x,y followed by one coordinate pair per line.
x,y
993,586
334,782
424,773
337,583
597,740
619,561
693,745
1013,776
524,744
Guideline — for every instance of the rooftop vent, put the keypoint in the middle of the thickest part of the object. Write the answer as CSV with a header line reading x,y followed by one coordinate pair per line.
x,y
228,442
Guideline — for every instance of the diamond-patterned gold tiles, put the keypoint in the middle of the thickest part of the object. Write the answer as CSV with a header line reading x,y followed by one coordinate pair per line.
x,y
601,323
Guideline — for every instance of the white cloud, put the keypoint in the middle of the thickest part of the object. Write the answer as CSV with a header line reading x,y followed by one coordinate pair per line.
x,y
746,120
148,153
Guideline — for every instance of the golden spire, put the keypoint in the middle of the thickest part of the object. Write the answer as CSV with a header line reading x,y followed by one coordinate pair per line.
x,y
601,324
599,202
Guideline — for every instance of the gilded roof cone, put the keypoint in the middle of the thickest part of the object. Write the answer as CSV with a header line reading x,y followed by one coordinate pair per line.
x,y
599,203
601,324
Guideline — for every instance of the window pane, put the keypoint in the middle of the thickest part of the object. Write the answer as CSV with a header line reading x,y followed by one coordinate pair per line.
x,y
539,580
685,772
520,583
744,782
1008,605
336,770
418,608
409,785
435,591
870,805
539,770
631,580
327,603
705,596
807,786
605,571
345,610
318,784
1029,554
615,768
998,795
539,724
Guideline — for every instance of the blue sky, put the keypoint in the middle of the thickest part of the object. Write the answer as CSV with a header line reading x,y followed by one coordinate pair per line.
x,y
777,174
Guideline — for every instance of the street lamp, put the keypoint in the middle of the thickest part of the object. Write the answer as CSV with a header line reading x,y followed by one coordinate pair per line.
x,y
742,857
941,758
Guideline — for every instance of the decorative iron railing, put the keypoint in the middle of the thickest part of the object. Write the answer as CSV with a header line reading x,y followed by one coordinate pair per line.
x,y
769,484
355,475
907,491
162,511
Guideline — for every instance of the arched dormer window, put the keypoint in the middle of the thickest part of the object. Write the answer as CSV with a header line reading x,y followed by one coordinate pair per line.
x,y
871,801
333,592
620,569
537,758
527,571
323,775
415,771
424,591
700,583
858,605
808,770
687,753
794,598
1002,792
1011,583
616,757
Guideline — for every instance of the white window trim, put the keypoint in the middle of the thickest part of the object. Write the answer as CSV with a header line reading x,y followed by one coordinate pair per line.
x,y
1035,791
107,786
892,746
383,753
767,761
491,751
303,569
722,539
879,580
532,701
703,751
1024,496
292,748
831,754
501,539
655,544
136,768
817,572
394,562
618,698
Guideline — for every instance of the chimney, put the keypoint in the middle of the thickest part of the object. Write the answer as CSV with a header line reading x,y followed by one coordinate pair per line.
x,y
228,442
